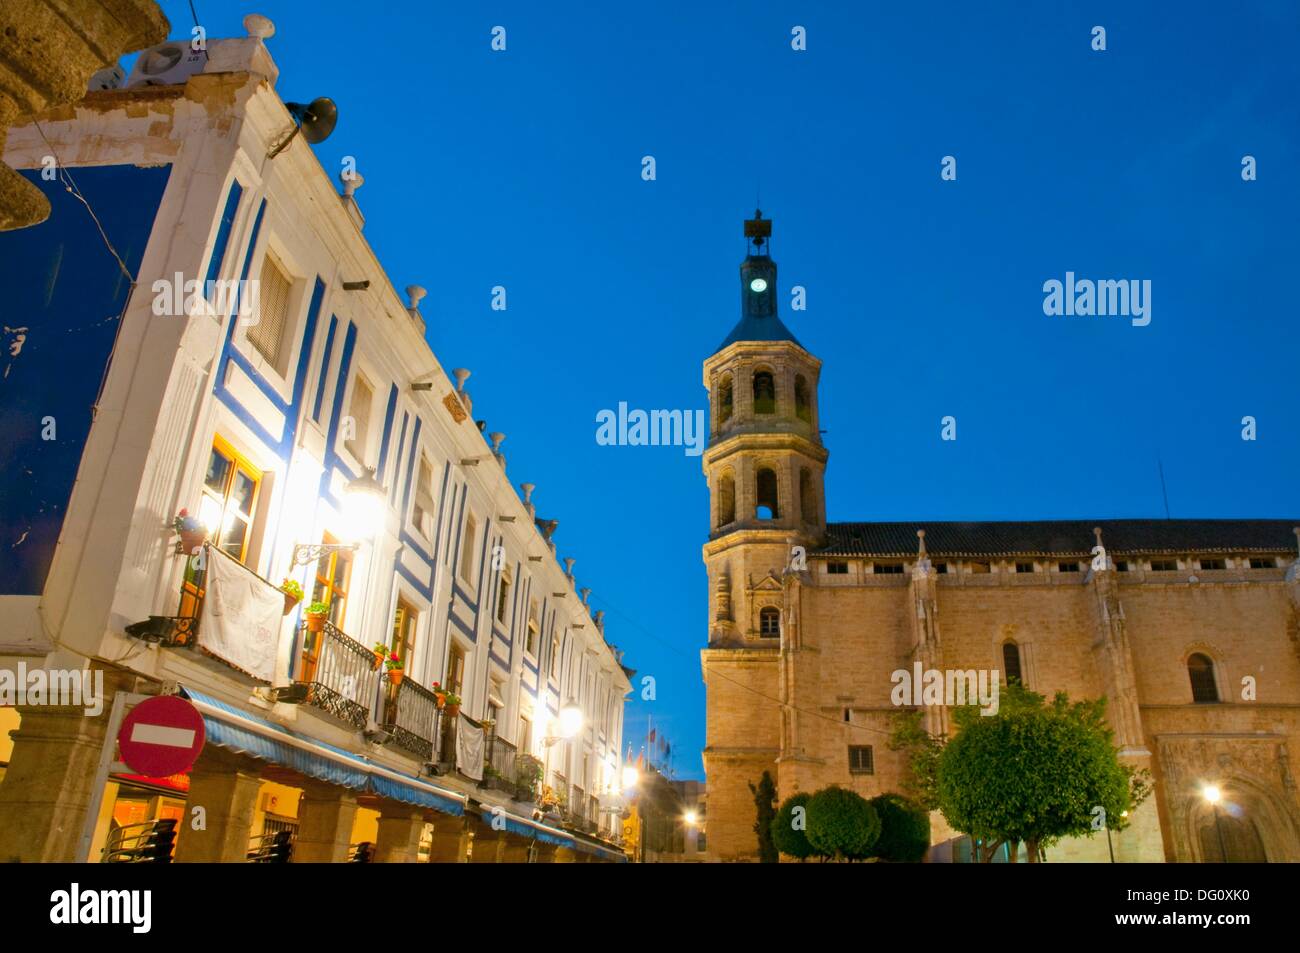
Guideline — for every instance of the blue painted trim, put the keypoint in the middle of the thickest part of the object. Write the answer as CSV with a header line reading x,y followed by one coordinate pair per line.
x,y
425,589
462,626
500,661
324,367
388,431
332,461
397,463
218,258
410,467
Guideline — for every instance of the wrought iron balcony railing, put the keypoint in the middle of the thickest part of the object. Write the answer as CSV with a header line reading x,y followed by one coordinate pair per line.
x,y
499,772
411,717
336,674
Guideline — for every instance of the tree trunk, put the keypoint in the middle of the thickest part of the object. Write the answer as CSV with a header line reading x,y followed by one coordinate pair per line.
x,y
1013,851
988,850
1031,846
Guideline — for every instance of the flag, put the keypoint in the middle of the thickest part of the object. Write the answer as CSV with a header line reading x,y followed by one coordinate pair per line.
x,y
652,736
663,744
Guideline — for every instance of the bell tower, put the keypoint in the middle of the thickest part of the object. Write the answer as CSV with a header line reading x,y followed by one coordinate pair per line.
x,y
765,460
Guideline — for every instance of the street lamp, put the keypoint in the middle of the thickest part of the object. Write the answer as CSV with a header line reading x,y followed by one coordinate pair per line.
x,y
364,503
690,817
631,777
1212,797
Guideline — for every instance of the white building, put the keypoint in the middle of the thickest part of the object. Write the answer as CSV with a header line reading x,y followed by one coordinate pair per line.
x,y
258,425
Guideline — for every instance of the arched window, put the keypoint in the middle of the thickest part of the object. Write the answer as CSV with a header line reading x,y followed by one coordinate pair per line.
x,y
769,622
764,392
802,405
766,507
807,499
726,499
1011,662
1201,670
724,398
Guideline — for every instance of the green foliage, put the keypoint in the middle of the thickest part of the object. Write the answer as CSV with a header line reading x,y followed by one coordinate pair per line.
x,y
789,839
318,608
904,830
1034,771
292,587
923,752
765,811
842,824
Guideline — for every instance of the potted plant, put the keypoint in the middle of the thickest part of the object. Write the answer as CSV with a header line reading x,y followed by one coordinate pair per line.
x,y
193,533
453,704
380,650
316,614
292,590
440,696
395,673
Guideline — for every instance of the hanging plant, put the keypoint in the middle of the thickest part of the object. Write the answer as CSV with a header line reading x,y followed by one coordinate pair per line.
x,y
316,614
292,594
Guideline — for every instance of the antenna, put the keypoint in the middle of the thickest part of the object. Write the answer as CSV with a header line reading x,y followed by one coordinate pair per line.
x,y
1163,492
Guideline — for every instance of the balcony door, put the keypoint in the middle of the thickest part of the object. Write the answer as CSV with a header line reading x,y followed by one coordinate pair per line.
x,y
333,576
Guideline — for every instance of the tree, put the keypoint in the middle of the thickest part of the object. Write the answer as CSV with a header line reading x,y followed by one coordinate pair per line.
x,y
904,829
1034,772
790,829
922,751
842,824
765,804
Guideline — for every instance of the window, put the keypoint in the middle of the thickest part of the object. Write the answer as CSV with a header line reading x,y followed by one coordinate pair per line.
x,y
1011,662
333,572
1262,563
887,569
503,596
229,496
268,335
726,499
530,640
357,436
764,392
226,508
769,622
1122,565
1208,564
766,507
467,549
837,569
554,668
1201,671
862,759
807,497
802,405
422,512
1067,567
725,400
1164,565
404,627
978,568
1024,567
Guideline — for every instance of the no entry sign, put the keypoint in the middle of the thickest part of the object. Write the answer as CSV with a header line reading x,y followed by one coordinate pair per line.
x,y
161,737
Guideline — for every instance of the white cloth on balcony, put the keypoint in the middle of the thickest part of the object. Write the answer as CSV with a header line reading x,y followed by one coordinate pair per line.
x,y
469,749
241,616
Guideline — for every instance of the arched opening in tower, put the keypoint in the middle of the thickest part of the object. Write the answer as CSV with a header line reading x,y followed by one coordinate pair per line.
x,y
766,507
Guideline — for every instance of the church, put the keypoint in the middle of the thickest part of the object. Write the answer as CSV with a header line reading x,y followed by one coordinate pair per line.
x,y
1189,628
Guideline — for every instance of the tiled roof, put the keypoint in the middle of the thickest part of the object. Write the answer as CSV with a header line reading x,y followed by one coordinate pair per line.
x,y
1060,537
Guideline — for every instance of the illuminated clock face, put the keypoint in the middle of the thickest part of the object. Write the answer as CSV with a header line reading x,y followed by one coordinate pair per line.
x,y
758,285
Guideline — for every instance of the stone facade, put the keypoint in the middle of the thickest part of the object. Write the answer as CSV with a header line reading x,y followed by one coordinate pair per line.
x,y
851,603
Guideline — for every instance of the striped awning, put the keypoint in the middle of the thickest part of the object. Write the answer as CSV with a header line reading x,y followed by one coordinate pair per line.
x,y
244,732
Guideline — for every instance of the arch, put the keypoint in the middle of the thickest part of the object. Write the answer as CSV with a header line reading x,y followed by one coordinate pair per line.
x,y
807,497
726,498
726,402
766,497
1253,817
1011,662
764,391
769,622
802,399
1200,670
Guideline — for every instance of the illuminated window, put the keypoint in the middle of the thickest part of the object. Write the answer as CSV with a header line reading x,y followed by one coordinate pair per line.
x,y
333,574
404,628
226,508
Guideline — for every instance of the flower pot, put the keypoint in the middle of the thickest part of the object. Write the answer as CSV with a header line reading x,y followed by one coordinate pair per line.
x,y
379,660
315,623
453,710
395,676
290,601
192,539
440,699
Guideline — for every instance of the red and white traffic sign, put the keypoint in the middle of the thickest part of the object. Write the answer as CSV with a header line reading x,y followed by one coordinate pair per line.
x,y
161,736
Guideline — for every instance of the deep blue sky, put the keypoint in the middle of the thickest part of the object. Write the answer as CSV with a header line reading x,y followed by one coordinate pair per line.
x,y
522,169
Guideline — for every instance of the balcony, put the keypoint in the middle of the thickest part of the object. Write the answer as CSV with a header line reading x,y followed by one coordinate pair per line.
x,y
411,716
337,675
499,772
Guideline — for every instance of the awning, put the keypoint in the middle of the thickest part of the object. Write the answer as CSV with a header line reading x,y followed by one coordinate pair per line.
x,y
535,830
237,730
